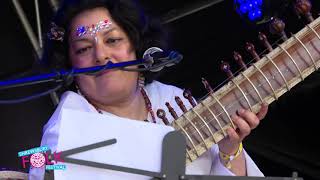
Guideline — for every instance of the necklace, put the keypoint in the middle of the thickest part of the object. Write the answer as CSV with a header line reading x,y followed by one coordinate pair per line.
x,y
147,104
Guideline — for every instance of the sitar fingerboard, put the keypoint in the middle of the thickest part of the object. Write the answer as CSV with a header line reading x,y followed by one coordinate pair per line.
x,y
264,81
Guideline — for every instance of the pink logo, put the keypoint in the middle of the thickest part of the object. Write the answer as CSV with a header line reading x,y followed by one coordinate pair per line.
x,y
37,160
41,157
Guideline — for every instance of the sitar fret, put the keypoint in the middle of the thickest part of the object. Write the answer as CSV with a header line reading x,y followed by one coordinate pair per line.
x,y
198,132
308,52
206,124
293,61
253,86
280,72
243,94
214,119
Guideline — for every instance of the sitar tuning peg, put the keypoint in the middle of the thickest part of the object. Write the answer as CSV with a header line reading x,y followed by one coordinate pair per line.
x,y
187,94
162,115
239,60
263,38
172,111
252,50
277,26
180,104
303,7
225,67
207,85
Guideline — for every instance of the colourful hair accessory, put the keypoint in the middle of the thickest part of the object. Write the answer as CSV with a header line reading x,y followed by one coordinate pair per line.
x,y
56,33
93,29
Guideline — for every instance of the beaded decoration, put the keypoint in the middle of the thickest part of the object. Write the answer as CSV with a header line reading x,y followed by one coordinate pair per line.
x,y
93,29
148,105
56,33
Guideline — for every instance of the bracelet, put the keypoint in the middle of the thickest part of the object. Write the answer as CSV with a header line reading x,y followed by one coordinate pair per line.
x,y
228,158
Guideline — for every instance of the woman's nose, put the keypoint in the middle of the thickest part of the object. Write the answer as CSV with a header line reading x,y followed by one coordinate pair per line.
x,y
101,54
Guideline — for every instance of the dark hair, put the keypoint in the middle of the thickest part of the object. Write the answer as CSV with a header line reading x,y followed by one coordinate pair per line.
x,y
143,31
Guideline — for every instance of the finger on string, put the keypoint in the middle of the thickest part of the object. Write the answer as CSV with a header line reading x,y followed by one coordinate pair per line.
x,y
249,117
263,111
243,127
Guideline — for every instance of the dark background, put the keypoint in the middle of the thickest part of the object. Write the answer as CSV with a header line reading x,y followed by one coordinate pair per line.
x,y
287,140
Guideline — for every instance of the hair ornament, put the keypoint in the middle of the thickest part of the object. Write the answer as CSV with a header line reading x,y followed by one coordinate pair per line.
x,y
56,33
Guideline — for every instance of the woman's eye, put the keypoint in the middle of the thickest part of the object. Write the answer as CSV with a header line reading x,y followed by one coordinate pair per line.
x,y
82,50
113,40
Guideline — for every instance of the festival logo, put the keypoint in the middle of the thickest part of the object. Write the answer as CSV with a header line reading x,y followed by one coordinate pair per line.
x,y
41,157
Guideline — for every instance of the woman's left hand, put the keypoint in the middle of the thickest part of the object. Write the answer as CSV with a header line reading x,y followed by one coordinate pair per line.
x,y
245,121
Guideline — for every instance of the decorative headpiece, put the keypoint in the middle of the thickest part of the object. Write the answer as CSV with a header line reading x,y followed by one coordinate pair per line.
x,y
56,33
93,29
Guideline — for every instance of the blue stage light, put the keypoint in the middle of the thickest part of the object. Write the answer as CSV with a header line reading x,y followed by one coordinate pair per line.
x,y
255,15
251,6
250,9
244,8
241,1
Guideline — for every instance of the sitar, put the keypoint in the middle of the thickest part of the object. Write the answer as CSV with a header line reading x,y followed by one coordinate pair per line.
x,y
268,78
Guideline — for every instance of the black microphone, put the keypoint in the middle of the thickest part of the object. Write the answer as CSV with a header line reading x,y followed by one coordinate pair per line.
x,y
156,59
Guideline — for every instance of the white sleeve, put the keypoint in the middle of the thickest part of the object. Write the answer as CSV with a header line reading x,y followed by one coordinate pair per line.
x,y
219,169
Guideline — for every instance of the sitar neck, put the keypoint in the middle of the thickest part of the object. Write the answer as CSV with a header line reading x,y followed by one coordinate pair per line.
x,y
265,81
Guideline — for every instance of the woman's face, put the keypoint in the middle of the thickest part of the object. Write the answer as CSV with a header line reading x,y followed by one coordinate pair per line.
x,y
94,49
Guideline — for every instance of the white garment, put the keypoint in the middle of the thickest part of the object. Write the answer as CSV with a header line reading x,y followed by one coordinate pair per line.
x,y
158,93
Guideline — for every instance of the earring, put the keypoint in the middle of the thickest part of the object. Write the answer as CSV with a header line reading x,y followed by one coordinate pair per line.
x,y
141,81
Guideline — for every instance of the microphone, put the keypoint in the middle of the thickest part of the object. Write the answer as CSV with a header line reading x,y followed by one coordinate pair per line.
x,y
156,59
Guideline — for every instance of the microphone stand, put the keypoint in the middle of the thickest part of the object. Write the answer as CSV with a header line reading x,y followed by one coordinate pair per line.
x,y
63,75
153,64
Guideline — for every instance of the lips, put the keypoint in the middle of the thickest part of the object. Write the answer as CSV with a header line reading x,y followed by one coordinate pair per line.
x,y
104,72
